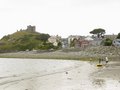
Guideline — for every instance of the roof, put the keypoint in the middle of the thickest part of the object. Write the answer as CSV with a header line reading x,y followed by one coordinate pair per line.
x,y
89,38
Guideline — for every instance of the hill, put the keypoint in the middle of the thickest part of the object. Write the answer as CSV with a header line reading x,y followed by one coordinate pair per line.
x,y
24,40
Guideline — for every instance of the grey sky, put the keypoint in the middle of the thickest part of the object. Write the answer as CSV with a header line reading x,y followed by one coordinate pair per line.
x,y
62,17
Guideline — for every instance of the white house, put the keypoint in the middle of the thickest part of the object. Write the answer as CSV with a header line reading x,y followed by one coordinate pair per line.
x,y
89,38
54,40
116,42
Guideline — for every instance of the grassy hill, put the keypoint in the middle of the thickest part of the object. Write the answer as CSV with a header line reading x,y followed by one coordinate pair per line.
x,y
24,40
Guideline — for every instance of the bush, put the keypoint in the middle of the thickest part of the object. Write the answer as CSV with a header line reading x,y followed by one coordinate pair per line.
x,y
118,36
107,42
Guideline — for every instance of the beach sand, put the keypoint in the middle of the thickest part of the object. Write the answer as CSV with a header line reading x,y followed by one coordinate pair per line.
x,y
63,75
25,74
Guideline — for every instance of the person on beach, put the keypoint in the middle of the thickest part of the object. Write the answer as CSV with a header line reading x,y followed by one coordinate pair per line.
x,y
100,60
106,59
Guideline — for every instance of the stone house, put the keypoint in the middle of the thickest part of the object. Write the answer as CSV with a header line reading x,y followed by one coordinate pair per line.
x,y
54,40
74,39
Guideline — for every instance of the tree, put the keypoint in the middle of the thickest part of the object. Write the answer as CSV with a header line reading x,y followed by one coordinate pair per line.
x,y
107,42
43,37
118,36
99,32
72,42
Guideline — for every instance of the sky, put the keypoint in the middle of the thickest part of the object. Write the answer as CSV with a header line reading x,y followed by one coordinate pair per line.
x,y
60,17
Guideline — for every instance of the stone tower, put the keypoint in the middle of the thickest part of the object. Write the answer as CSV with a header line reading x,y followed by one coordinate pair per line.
x,y
31,28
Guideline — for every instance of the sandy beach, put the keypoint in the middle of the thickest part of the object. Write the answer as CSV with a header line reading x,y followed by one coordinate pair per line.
x,y
40,74
111,70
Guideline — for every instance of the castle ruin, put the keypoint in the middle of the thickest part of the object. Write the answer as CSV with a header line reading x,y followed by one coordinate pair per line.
x,y
31,28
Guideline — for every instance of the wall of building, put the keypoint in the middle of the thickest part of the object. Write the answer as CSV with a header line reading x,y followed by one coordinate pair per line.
x,y
31,28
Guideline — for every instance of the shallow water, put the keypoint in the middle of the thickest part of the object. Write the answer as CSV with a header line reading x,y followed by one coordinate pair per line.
x,y
40,74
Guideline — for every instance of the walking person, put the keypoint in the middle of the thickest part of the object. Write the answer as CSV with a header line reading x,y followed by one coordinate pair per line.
x,y
106,59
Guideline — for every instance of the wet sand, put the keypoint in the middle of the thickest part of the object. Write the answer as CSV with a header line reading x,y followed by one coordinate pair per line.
x,y
109,71
32,74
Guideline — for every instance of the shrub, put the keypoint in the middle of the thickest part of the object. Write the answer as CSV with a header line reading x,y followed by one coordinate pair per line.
x,y
107,42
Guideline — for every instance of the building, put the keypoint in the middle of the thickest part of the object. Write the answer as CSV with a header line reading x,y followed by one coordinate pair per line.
x,y
64,43
116,42
89,38
31,28
54,40
84,43
73,38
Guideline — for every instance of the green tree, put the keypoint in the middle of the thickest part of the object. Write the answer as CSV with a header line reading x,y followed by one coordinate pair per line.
x,y
72,43
107,42
43,37
45,46
59,44
118,36
99,32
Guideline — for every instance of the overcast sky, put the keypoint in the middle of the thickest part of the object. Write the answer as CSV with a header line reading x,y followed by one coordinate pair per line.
x,y
60,17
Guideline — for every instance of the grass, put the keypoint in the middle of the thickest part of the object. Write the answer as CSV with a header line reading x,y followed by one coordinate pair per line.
x,y
55,55
63,56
